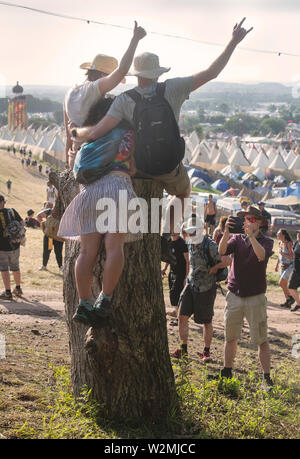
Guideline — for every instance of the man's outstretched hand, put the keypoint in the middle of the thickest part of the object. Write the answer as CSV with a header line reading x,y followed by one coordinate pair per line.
x,y
239,32
138,31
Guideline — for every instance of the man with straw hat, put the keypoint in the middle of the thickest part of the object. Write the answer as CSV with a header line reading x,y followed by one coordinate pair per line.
x,y
103,75
147,69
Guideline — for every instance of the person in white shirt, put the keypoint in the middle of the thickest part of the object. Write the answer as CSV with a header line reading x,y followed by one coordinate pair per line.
x,y
103,75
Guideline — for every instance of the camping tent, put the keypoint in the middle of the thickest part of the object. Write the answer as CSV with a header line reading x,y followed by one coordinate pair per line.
x,y
278,163
200,174
238,158
198,182
296,163
259,173
220,158
199,155
261,161
220,185
229,171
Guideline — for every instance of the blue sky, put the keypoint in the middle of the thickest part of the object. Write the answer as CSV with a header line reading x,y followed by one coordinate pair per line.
x,y
38,49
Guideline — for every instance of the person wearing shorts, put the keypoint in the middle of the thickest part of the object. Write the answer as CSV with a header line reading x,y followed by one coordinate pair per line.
x,y
247,287
198,296
9,253
178,272
294,282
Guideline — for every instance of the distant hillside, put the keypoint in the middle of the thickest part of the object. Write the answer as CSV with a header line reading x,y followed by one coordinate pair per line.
x,y
240,93
35,105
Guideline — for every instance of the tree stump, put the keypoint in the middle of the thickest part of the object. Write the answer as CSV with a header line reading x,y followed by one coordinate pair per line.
x,y
127,364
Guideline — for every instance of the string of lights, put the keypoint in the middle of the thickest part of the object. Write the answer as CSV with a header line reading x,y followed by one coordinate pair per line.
x,y
178,37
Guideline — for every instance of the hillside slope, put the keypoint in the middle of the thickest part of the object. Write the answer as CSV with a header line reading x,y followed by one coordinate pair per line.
x,y
28,191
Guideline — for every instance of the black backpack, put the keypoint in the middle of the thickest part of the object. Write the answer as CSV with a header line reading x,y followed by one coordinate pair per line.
x,y
159,148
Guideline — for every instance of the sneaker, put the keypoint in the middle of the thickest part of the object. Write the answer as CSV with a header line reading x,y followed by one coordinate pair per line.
x,y
290,300
167,255
267,383
285,305
205,356
18,292
43,268
178,354
84,313
102,307
295,308
174,323
221,374
6,296
61,269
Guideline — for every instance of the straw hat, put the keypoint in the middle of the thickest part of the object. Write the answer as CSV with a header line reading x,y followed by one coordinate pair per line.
x,y
102,63
146,65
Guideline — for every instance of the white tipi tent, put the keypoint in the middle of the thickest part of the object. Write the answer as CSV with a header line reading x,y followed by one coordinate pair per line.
x,y
200,155
57,145
194,139
44,142
296,163
221,158
278,163
238,159
259,173
290,158
261,161
28,139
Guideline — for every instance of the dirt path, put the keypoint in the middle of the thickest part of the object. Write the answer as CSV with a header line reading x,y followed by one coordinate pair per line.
x,y
33,307
36,306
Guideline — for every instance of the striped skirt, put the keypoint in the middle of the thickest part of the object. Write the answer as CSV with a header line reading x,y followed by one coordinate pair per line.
x,y
97,209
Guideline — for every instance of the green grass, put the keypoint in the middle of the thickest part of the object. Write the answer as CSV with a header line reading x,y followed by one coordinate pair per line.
x,y
221,408
206,190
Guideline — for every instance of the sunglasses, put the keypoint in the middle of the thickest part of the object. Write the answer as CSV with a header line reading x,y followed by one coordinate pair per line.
x,y
251,219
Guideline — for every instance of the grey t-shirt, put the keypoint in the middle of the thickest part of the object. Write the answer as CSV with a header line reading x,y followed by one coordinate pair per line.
x,y
177,91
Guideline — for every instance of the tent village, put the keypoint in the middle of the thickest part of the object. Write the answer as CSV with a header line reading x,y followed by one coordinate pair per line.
x,y
251,169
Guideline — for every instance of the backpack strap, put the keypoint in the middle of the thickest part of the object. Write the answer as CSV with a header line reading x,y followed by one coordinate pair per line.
x,y
160,89
11,215
135,96
207,252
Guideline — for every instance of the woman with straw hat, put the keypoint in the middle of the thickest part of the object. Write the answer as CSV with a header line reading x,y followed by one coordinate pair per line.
x,y
103,75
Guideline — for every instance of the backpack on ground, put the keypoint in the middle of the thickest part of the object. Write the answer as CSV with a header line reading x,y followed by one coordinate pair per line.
x,y
159,148
222,273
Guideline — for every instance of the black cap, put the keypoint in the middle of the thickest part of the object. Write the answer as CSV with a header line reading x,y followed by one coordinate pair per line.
x,y
30,212
2,198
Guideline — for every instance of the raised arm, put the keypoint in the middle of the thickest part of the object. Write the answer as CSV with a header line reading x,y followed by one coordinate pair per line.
x,y
109,82
218,65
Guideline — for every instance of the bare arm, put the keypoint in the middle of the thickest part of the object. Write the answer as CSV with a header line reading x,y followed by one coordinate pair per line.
x,y
218,65
224,240
187,262
68,137
88,134
109,82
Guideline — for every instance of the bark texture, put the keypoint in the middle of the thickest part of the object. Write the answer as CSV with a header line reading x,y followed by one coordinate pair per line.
x,y
126,364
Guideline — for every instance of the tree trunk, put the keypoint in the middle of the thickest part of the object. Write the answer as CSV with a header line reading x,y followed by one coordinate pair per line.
x,y
126,364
